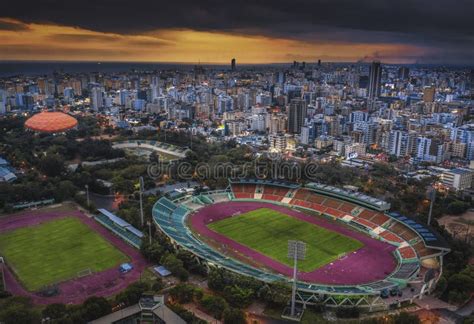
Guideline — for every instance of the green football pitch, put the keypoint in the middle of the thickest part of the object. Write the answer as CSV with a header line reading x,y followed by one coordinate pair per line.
x,y
55,251
268,231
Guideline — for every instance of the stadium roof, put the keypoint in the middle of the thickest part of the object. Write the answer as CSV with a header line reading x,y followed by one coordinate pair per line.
x,y
269,182
346,194
429,236
120,222
51,122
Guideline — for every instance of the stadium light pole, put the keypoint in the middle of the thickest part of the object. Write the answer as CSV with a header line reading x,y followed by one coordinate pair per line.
x,y
141,201
296,251
87,194
149,231
432,200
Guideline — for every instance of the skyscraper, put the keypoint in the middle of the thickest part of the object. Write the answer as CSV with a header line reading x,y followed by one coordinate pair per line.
x,y
429,94
97,99
375,77
403,73
232,64
3,102
296,115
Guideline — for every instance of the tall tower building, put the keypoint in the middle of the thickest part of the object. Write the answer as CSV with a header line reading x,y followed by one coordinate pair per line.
x,y
3,102
429,94
375,79
232,64
403,73
296,115
97,98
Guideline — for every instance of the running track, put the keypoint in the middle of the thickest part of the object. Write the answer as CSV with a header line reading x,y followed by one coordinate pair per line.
x,y
373,262
75,291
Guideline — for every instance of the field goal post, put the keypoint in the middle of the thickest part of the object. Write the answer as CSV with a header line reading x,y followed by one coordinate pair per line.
x,y
84,273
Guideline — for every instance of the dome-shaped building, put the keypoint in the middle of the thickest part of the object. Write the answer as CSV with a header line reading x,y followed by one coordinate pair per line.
x,y
51,122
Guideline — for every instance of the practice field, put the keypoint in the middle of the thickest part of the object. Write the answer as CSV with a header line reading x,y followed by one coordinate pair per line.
x,y
56,251
268,231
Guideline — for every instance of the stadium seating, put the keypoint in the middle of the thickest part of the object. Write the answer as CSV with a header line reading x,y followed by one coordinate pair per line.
x,y
347,207
331,203
379,219
390,237
406,270
407,252
423,251
274,193
124,230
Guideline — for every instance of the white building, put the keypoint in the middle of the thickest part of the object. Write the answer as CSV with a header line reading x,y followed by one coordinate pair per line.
x,y
458,179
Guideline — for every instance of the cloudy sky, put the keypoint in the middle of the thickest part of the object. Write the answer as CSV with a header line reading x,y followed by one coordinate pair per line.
x,y
258,31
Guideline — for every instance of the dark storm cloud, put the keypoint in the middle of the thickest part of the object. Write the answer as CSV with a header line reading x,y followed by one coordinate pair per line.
x,y
292,17
437,23
12,25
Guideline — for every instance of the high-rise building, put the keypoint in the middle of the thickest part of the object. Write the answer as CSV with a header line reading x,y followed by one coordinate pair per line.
x,y
97,98
358,116
232,64
296,115
403,73
429,94
3,102
375,79
401,143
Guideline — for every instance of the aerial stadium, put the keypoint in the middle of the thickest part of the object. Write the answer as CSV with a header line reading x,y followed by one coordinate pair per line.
x,y
359,253
60,255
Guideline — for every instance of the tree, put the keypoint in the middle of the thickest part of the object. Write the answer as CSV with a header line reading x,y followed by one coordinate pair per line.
x,y
237,296
234,316
457,207
132,294
66,190
158,285
152,252
183,293
277,293
95,307
405,318
55,311
175,265
52,165
15,310
215,305
217,279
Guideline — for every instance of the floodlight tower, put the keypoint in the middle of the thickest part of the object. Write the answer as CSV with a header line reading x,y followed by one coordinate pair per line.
x,y
141,200
432,197
296,251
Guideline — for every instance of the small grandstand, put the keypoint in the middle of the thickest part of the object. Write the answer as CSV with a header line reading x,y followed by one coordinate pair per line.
x,y
166,151
120,227
417,248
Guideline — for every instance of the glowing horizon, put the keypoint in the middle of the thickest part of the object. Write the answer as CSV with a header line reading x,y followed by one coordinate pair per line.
x,y
50,42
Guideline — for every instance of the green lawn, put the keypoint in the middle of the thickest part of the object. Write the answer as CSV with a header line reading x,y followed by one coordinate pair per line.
x,y
268,231
56,251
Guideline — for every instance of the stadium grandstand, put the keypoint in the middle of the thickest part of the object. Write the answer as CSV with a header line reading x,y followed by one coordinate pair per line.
x,y
119,227
418,249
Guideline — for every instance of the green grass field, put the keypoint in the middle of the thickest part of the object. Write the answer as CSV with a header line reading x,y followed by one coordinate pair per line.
x,y
56,251
268,231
